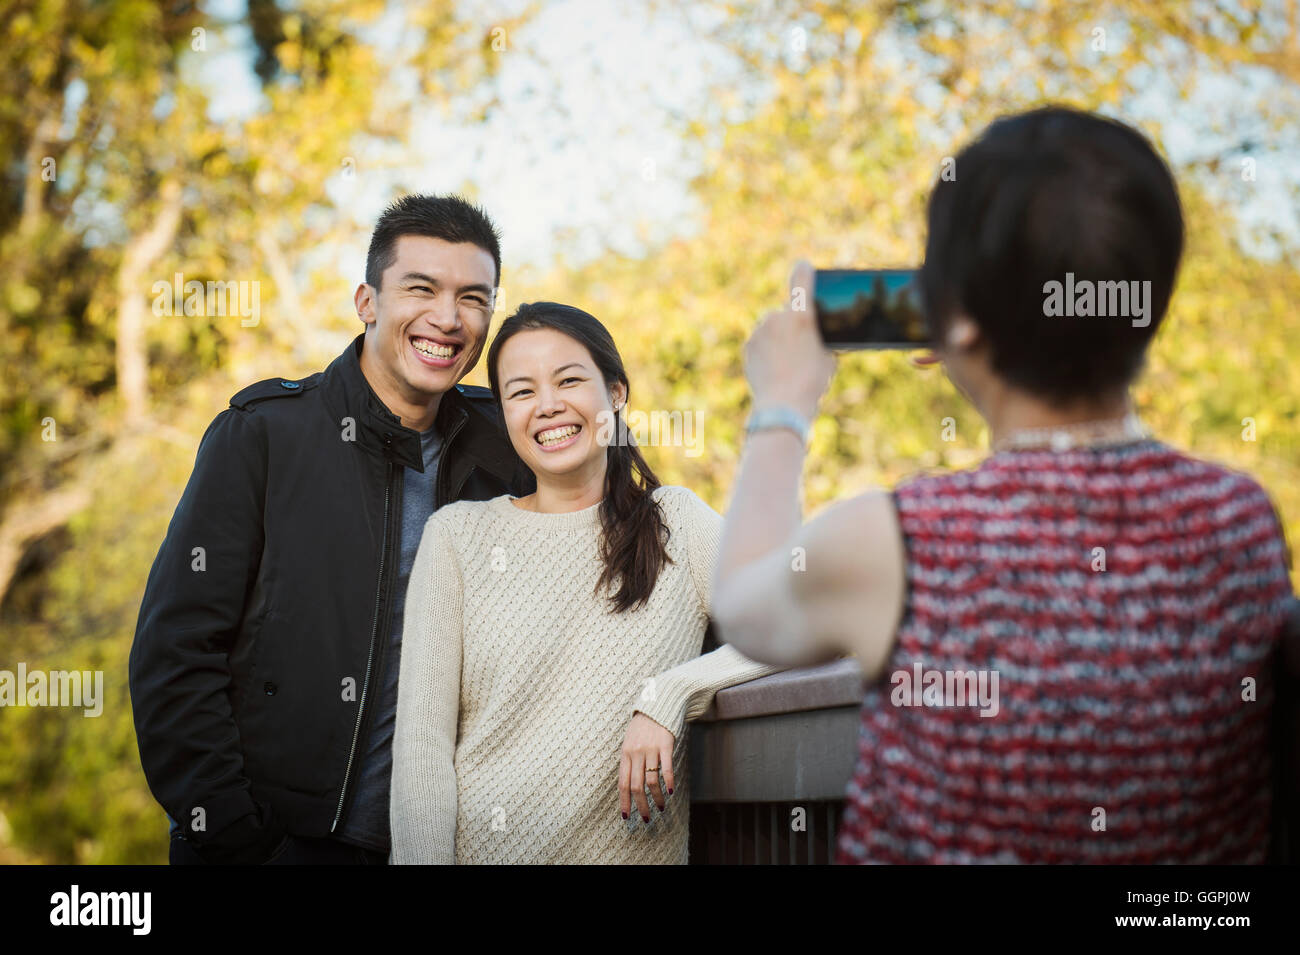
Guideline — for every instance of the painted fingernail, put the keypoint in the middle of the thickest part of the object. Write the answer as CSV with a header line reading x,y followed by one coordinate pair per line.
x,y
670,790
624,815
645,818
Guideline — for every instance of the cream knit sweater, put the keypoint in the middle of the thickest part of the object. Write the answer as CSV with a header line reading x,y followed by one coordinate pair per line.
x,y
518,683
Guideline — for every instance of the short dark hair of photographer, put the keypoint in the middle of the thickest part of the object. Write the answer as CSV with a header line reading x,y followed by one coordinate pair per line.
x,y
1038,195
439,217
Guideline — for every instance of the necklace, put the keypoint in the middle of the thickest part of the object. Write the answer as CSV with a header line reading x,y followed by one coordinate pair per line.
x,y
1082,434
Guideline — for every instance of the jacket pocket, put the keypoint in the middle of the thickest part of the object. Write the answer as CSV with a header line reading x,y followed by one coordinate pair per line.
x,y
245,660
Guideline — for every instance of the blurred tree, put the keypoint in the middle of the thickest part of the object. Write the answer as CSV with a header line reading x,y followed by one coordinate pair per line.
x,y
829,152
120,176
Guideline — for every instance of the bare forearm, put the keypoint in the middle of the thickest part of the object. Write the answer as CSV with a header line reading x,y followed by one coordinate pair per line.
x,y
750,602
757,606
765,506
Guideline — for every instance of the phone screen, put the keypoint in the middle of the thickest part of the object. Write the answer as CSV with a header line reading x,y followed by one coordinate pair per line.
x,y
870,308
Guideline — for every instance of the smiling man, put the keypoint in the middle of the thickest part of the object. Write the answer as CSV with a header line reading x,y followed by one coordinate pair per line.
x,y
265,664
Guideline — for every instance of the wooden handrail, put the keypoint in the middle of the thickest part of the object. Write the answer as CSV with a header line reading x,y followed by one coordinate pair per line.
x,y
838,683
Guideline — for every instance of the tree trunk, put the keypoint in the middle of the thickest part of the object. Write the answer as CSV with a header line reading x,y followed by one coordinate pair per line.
x,y
142,251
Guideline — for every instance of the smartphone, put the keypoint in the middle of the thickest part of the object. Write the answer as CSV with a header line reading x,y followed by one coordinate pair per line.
x,y
870,308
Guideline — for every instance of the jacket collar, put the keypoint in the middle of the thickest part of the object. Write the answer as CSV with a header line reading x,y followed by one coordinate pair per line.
x,y
478,432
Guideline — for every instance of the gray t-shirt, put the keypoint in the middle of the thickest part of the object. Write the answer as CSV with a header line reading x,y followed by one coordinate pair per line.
x,y
367,821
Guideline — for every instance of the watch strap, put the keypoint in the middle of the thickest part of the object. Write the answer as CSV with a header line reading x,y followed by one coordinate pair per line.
x,y
778,416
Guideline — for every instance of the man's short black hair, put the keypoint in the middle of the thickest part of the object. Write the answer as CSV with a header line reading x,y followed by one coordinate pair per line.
x,y
439,217
1036,196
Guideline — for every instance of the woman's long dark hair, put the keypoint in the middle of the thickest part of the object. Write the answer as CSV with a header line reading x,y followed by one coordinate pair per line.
x,y
631,546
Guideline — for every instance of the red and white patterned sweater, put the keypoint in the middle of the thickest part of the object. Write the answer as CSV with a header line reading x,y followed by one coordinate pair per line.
x,y
1125,729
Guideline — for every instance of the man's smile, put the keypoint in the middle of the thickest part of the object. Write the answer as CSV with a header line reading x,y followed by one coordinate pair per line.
x,y
435,352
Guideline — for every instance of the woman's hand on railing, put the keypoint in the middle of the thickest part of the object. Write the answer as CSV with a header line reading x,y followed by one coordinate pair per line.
x,y
646,760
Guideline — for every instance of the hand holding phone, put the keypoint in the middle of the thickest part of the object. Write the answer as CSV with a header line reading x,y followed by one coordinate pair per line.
x,y
786,361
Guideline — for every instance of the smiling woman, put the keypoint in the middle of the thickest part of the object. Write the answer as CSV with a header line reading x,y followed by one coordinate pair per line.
x,y
516,667
560,380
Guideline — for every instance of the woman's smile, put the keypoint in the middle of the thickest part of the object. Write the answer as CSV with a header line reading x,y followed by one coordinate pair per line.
x,y
553,439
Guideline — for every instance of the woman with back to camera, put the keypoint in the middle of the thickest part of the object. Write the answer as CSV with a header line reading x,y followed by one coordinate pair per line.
x,y
1126,596
536,627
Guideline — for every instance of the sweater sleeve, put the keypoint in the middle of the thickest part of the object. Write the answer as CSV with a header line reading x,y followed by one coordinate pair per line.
x,y
684,692
422,805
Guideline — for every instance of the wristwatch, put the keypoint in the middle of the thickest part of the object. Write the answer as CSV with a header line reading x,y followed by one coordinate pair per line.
x,y
778,416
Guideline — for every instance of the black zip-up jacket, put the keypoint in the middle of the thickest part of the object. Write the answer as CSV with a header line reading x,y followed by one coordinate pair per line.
x,y
262,633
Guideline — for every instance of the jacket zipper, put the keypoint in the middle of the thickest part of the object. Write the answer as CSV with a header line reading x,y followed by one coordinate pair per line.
x,y
440,499
374,635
